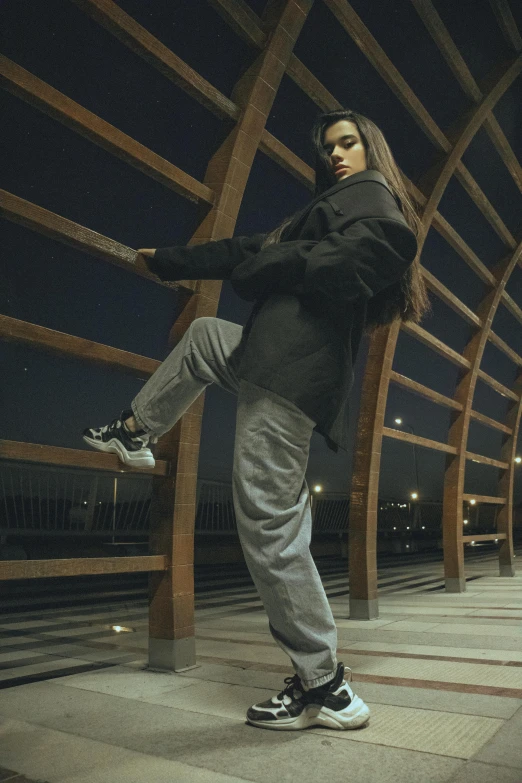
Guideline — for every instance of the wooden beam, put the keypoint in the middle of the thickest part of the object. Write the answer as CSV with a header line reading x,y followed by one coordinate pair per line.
x,y
448,402
423,336
435,181
79,566
14,330
449,298
497,386
81,238
42,96
488,422
512,306
484,499
242,20
287,159
455,61
366,42
424,391
455,241
496,463
515,357
73,458
390,432
139,40
485,537
507,24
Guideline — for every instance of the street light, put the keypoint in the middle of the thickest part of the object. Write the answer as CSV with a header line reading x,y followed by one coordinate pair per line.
x,y
316,488
400,422
414,495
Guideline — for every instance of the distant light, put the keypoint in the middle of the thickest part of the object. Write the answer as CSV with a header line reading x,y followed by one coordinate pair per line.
x,y
318,488
472,501
472,543
414,495
395,528
465,521
407,546
407,527
398,421
121,629
496,540
518,459
424,527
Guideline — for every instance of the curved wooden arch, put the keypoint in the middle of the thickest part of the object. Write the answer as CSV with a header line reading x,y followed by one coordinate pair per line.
x,y
374,394
171,614
452,521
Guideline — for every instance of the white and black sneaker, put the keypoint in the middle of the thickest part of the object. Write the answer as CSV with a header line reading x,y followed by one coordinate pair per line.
x,y
131,447
333,705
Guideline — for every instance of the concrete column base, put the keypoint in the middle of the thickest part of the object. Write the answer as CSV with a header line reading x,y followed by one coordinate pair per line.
x,y
362,609
506,570
455,584
174,655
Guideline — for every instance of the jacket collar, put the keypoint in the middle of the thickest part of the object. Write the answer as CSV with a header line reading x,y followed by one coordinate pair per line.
x,y
369,175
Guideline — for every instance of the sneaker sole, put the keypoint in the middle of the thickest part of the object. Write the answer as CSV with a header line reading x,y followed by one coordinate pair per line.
x,y
137,459
354,717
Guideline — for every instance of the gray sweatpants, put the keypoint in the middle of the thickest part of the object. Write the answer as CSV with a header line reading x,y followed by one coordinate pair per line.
x,y
270,492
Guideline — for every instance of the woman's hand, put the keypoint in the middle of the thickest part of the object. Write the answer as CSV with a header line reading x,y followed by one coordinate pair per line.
x,y
147,251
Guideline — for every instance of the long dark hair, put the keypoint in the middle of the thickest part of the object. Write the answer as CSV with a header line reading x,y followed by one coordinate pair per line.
x,y
407,299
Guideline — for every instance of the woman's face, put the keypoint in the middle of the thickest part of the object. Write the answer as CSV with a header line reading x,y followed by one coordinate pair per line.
x,y
343,145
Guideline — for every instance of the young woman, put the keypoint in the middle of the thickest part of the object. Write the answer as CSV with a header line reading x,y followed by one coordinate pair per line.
x,y
344,265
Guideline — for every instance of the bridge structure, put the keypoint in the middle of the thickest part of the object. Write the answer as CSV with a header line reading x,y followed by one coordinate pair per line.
x,y
271,39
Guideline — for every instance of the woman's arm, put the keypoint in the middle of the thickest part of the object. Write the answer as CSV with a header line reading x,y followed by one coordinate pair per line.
x,y
208,261
370,255
367,249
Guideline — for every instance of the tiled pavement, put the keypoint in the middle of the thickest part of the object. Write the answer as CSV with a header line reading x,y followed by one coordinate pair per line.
x,y
442,675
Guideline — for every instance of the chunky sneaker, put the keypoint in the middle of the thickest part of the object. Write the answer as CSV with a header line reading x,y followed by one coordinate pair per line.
x,y
131,447
333,705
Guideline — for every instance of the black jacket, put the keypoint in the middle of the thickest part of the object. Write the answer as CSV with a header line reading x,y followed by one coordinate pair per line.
x,y
310,290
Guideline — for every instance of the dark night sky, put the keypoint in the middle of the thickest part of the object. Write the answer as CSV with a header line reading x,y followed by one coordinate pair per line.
x,y
51,399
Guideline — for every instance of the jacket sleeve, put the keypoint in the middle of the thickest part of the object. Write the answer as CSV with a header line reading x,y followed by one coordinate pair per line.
x,y
208,261
369,255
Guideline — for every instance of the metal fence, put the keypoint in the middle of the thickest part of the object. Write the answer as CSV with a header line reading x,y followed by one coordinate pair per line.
x,y
48,500
52,499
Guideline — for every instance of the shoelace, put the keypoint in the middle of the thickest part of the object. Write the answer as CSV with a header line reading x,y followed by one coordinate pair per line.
x,y
292,684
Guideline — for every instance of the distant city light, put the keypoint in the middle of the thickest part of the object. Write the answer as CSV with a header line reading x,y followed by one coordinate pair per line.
x,y
407,527
318,488
472,501
414,495
518,459
398,421
466,521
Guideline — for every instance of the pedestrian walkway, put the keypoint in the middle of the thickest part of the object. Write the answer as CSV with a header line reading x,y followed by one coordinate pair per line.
x,y
442,674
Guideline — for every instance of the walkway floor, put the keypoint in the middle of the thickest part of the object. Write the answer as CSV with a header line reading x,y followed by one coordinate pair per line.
x,y
442,675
